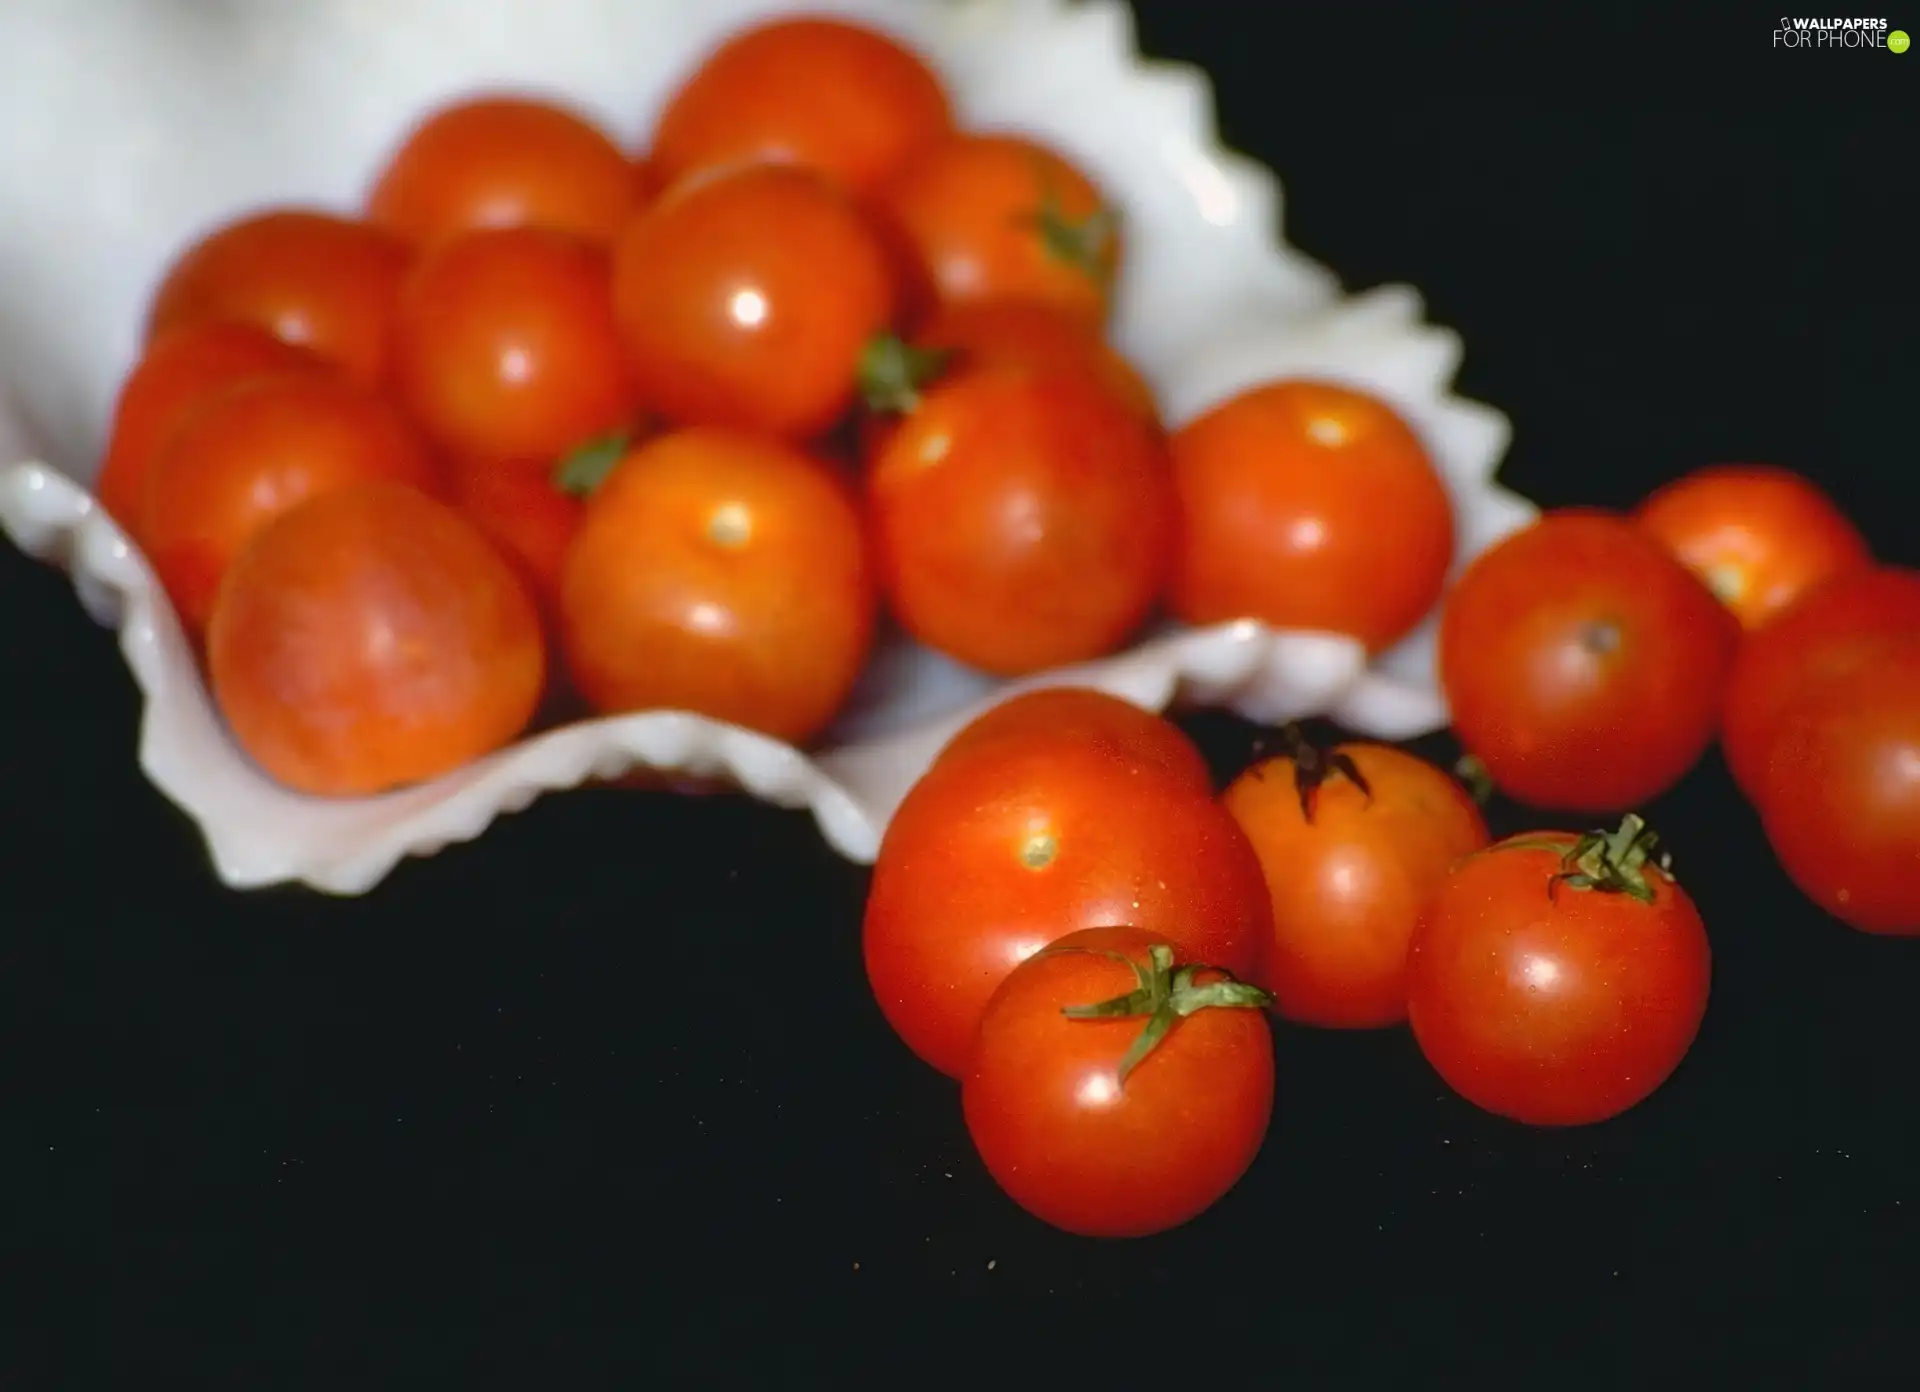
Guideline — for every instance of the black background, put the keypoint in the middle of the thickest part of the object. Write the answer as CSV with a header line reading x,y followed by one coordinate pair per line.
x,y
606,1088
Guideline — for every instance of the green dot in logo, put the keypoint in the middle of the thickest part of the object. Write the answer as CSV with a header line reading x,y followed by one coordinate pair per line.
x,y
1897,41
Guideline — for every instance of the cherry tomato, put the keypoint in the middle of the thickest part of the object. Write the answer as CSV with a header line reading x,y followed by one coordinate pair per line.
x,y
370,638
1840,792
528,514
1021,520
720,573
314,280
1759,536
1035,335
178,373
1558,979
992,856
1116,1092
1078,712
1584,665
505,161
1355,841
1002,217
841,100
747,298
1284,491
506,348
1830,630
250,454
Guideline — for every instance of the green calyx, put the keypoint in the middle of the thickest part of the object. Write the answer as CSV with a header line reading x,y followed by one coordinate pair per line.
x,y
582,471
893,373
1313,766
1086,243
1610,862
1163,996
1474,777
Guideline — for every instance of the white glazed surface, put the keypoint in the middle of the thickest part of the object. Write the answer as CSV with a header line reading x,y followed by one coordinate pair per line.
x,y
130,128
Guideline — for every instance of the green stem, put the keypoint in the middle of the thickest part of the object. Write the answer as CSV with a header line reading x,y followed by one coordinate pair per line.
x,y
893,373
1610,862
582,471
1163,996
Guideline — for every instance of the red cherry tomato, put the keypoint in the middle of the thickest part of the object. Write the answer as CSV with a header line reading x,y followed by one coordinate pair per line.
x,y
528,515
720,573
1024,333
177,375
1355,841
1829,631
1078,712
1092,1124
504,161
747,298
252,453
506,348
994,855
1021,520
1584,665
311,279
1839,794
1283,491
1759,536
1003,217
841,100
1558,979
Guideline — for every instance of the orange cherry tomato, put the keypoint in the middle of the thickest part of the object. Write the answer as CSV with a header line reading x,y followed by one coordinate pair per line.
x,y
250,454
1032,334
747,299
1002,217
504,161
1310,505
309,278
722,573
842,100
1759,536
178,373
371,638
506,347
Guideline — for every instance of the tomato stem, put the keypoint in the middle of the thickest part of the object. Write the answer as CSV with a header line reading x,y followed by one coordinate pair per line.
x,y
583,470
1611,862
1086,244
1165,995
893,372
1314,765
1473,774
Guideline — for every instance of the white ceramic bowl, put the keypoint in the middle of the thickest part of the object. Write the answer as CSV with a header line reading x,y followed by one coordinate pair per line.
x,y
127,127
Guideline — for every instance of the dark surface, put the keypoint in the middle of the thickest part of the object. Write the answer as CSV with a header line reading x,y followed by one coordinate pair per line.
x,y
607,1087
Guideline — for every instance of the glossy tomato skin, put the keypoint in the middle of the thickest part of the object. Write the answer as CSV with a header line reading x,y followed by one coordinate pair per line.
x,y
249,455
178,373
1021,520
1585,667
723,573
506,347
1759,536
1081,713
985,216
1561,1009
842,100
991,857
1831,630
1349,884
1033,335
746,299
371,638
1839,795
1074,1144
321,282
504,161
1281,493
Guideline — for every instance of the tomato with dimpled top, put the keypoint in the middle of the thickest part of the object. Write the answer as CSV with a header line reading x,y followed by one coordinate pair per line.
x,y
1584,666
255,451
840,99
176,375
503,160
1081,713
1758,535
1283,495
993,855
1839,794
746,299
1030,334
1354,840
1831,630
1558,979
371,638
312,279
506,348
1117,1089
721,573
